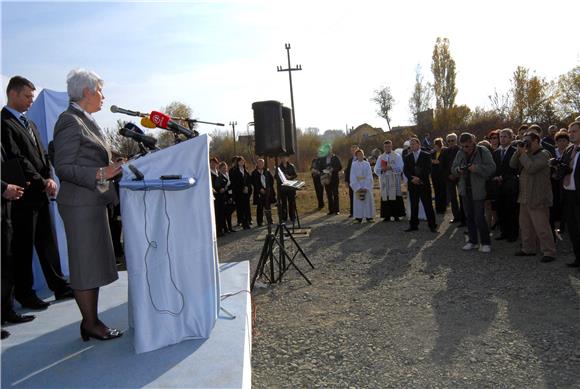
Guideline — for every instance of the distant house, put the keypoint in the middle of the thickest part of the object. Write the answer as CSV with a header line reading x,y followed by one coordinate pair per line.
x,y
365,131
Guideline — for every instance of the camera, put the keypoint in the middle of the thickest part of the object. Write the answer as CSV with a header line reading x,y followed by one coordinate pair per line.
x,y
523,143
560,169
464,168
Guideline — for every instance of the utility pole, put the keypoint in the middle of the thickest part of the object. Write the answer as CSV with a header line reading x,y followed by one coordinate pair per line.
x,y
290,69
234,124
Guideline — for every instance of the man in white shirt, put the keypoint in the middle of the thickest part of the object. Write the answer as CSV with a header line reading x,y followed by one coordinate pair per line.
x,y
571,184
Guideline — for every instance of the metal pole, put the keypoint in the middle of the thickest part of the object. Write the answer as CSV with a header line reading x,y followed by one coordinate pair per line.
x,y
290,70
233,124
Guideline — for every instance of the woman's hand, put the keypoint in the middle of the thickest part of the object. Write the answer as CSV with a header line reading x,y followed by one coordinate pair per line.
x,y
110,171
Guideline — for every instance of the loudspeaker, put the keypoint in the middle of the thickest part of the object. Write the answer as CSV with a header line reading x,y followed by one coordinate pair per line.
x,y
269,133
289,133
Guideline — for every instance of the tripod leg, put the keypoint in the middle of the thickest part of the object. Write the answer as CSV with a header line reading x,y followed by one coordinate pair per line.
x,y
261,262
300,249
291,262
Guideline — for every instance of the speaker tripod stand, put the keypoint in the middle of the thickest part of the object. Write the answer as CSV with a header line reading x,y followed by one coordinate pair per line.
x,y
278,263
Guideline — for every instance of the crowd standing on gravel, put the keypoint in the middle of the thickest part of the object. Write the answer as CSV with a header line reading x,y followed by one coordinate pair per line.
x,y
522,183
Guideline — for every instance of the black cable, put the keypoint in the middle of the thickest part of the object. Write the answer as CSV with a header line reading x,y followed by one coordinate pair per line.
x,y
154,245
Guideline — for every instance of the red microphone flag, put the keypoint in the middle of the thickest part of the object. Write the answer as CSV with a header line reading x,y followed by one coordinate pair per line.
x,y
161,120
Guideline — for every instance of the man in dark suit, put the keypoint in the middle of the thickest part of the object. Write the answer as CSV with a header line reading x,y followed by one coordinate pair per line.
x,y
447,158
417,170
318,188
264,194
353,150
506,179
571,186
330,164
31,215
10,192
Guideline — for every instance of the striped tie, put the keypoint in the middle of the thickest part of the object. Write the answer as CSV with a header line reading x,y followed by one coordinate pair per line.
x,y
30,132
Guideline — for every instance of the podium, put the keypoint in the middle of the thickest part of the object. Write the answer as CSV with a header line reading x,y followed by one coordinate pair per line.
x,y
170,247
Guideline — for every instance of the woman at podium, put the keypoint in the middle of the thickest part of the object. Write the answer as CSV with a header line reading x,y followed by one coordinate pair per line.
x,y
83,164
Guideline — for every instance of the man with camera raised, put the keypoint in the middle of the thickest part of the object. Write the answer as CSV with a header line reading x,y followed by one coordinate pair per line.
x,y
535,197
474,165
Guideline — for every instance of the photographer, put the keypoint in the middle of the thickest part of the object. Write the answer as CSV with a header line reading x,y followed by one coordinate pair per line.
x,y
506,179
535,197
474,165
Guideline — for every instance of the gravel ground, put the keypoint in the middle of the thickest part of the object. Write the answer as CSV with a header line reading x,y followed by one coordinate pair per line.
x,y
395,309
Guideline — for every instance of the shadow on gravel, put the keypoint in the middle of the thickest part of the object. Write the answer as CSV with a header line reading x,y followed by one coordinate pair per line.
x,y
542,306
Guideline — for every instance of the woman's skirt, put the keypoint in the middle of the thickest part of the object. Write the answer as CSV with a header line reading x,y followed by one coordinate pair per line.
x,y
91,257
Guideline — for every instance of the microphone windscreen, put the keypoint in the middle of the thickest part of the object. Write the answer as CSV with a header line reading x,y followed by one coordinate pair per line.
x,y
160,119
114,108
133,127
147,123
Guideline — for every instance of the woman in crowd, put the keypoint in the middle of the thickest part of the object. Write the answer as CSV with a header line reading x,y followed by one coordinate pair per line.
x,y
218,197
361,182
82,161
438,176
242,190
493,138
229,204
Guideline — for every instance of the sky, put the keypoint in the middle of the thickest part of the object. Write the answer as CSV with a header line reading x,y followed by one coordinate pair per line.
x,y
219,57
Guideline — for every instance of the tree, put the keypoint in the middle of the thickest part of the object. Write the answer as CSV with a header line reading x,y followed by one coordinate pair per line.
x,y
422,96
385,100
443,68
452,119
532,98
501,105
568,92
126,147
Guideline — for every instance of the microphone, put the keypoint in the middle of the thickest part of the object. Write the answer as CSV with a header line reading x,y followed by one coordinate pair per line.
x,y
147,123
164,121
116,109
132,131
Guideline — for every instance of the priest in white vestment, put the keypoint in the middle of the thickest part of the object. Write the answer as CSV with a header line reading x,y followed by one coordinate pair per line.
x,y
389,168
361,182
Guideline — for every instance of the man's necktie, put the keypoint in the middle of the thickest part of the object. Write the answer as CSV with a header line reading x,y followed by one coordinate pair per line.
x,y
29,129
502,154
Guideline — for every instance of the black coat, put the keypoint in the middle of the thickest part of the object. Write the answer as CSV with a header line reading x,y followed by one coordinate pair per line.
x,y
239,181
567,158
421,168
33,159
334,164
437,170
510,181
447,157
257,184
347,170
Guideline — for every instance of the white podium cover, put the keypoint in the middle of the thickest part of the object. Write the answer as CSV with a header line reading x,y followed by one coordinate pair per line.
x,y
171,250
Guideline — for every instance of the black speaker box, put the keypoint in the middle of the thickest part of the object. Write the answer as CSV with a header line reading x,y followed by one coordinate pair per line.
x,y
289,133
269,132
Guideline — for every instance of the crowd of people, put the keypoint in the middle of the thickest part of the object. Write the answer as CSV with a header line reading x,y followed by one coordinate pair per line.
x,y
520,183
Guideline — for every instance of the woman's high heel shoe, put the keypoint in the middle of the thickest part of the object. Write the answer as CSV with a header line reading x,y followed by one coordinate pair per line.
x,y
112,333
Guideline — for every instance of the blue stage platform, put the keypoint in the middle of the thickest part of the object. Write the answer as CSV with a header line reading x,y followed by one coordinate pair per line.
x,y
49,353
